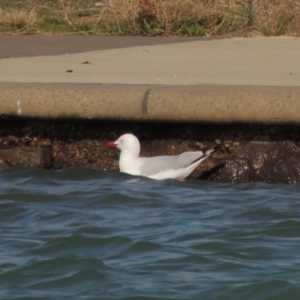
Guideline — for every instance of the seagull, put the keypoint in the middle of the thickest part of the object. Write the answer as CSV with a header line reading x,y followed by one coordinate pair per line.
x,y
157,167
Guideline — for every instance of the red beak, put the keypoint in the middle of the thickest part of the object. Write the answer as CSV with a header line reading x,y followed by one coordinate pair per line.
x,y
111,145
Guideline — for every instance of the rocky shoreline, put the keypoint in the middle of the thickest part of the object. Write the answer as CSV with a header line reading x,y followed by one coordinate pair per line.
x,y
244,152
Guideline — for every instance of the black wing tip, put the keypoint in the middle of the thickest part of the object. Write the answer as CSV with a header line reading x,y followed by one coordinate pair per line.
x,y
209,152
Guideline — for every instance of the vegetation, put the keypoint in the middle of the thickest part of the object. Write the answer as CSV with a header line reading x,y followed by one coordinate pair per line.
x,y
134,17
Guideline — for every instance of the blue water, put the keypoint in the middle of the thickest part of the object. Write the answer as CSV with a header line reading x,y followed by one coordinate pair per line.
x,y
84,234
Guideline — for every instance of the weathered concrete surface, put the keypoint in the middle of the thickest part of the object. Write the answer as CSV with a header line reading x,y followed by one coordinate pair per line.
x,y
236,61
43,45
36,157
226,104
217,80
83,101
202,103
264,161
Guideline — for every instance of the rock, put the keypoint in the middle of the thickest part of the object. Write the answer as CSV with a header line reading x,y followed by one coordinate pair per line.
x,y
16,156
12,140
273,162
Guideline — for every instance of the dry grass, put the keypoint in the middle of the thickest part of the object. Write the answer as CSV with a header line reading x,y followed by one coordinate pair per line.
x,y
21,20
273,17
179,17
49,16
142,17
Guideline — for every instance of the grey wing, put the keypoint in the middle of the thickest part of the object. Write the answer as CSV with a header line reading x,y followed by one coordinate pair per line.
x,y
154,165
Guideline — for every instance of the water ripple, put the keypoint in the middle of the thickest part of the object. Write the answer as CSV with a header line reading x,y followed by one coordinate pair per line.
x,y
85,234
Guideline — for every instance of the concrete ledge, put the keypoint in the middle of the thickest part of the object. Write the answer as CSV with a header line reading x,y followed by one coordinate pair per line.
x,y
201,103
226,104
83,101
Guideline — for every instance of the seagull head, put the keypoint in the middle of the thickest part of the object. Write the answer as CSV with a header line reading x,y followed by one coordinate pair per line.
x,y
127,143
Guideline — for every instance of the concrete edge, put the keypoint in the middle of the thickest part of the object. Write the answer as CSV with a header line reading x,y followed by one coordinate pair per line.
x,y
200,103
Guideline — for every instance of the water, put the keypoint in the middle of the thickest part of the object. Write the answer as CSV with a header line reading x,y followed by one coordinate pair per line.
x,y
85,234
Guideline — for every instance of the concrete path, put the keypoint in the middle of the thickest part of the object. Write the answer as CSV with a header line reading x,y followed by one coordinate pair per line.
x,y
137,78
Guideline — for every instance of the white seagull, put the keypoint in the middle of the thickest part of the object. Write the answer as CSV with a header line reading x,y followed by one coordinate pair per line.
x,y
158,167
